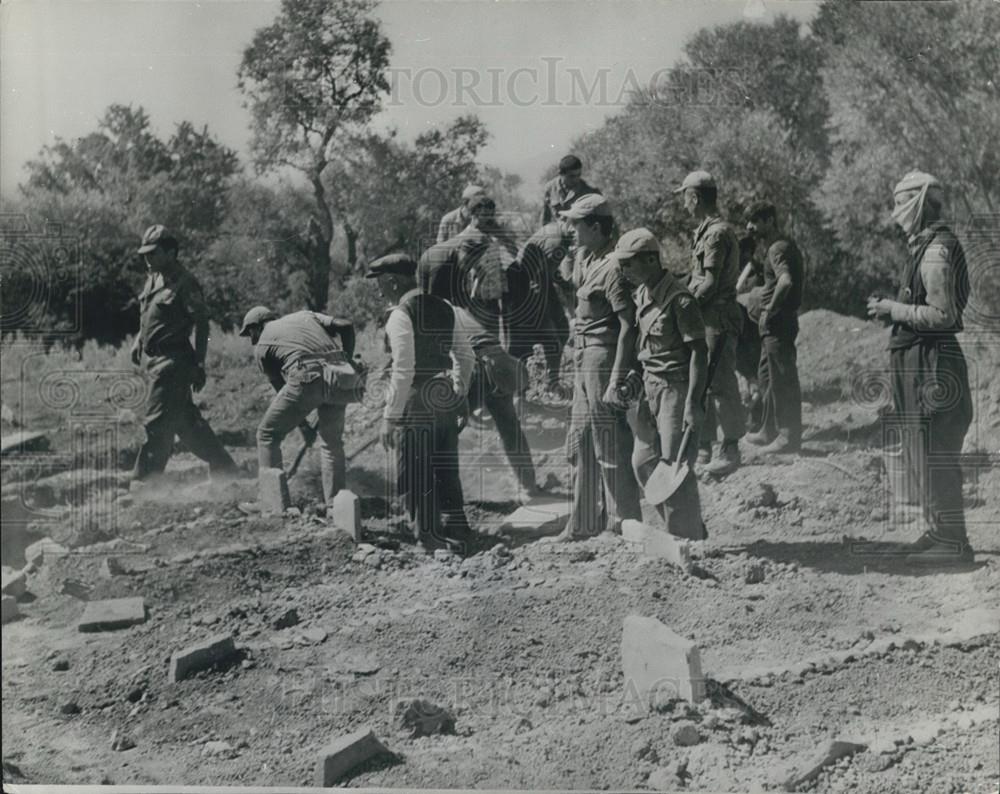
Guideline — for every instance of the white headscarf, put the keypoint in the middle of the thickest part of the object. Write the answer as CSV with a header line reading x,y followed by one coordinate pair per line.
x,y
910,215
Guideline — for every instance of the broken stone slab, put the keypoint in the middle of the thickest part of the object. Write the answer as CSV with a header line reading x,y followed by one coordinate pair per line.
x,y
659,664
346,753
656,543
38,551
115,613
9,609
420,717
24,441
347,513
15,583
536,514
273,491
216,650
834,753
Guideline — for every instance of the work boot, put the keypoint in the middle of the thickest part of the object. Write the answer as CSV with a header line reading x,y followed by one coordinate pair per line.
x,y
728,461
760,438
704,455
932,551
782,444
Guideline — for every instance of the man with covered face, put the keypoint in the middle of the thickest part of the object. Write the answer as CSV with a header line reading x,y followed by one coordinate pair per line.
x,y
930,383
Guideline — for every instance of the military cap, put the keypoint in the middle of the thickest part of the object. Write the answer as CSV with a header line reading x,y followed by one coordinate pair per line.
x,y
392,264
154,236
472,191
635,242
258,315
696,179
570,163
590,205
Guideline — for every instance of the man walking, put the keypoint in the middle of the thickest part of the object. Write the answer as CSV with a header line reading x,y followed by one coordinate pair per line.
x,y
560,193
457,219
674,356
425,407
295,352
930,381
715,268
778,323
171,305
599,441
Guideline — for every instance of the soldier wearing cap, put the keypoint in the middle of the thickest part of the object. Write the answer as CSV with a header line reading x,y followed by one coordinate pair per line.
x,y
778,325
293,351
673,355
425,408
457,219
171,305
715,269
599,441
560,193
930,381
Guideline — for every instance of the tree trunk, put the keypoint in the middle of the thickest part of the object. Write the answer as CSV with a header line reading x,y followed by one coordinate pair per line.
x,y
321,263
352,246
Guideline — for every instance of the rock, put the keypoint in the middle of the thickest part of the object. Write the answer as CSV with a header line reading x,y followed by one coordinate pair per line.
x,y
60,665
293,512
273,491
37,552
70,708
877,763
289,618
15,583
658,663
686,734
218,749
115,613
135,694
9,610
121,741
24,441
218,650
313,635
643,750
662,779
75,588
343,755
755,575
537,513
836,751
423,718
656,543
444,555
346,513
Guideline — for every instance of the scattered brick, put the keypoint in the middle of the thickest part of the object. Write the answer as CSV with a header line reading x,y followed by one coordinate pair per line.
x,y
656,543
659,664
346,753
216,650
115,613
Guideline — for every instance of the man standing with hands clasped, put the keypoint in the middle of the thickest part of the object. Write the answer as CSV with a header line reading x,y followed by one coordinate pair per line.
x,y
674,357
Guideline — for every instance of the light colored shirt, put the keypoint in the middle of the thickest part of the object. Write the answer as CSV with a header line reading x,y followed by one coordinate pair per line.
x,y
399,334
941,311
452,223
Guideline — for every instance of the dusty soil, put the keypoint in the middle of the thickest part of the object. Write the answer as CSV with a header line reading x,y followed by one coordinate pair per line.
x,y
520,640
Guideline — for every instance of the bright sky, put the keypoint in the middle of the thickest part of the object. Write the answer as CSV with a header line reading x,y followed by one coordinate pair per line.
x,y
538,73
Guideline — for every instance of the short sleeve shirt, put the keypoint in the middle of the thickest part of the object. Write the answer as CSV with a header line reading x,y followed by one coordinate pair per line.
x,y
170,306
296,337
601,292
556,198
784,258
669,320
716,250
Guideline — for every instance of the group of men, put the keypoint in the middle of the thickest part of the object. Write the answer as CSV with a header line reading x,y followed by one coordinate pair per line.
x,y
655,357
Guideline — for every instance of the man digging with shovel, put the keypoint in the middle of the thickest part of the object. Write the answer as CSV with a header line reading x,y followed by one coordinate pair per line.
x,y
672,349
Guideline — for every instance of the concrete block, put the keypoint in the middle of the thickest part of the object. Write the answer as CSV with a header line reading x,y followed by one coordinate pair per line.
x,y
115,613
347,513
274,497
346,753
219,649
659,664
656,543
36,553
9,610
15,583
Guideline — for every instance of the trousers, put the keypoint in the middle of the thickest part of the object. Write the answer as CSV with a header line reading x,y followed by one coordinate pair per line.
x,y
932,412
658,423
724,406
289,408
170,413
501,407
599,449
778,379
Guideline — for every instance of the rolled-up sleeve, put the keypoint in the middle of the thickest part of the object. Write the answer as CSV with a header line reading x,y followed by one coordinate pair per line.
x,y
939,281
399,335
462,356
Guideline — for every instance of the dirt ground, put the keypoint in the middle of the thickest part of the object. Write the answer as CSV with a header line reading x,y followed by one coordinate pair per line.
x,y
803,639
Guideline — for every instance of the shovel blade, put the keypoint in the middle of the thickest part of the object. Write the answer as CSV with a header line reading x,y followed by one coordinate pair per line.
x,y
665,479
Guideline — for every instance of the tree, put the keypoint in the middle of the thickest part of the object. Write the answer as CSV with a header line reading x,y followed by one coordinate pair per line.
x,y
316,72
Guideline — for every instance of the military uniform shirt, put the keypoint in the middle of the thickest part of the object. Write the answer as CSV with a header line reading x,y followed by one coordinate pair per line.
x,y
601,292
300,337
556,198
170,306
716,250
669,320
